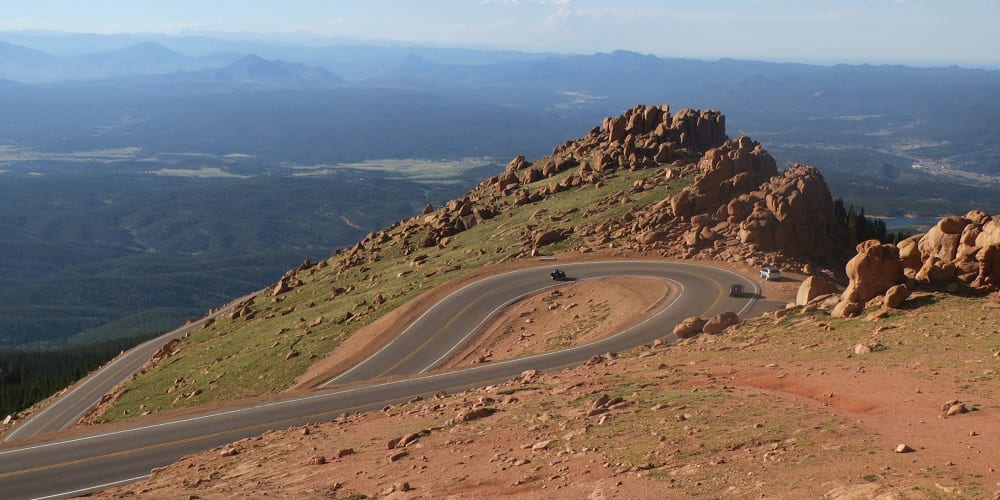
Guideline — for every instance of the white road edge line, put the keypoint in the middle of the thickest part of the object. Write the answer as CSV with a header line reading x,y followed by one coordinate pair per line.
x,y
87,380
414,322
511,301
80,386
96,487
569,264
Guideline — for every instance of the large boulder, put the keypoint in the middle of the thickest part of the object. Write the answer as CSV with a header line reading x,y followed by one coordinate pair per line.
x,y
689,327
720,322
617,128
874,270
895,296
548,237
909,254
989,268
700,130
813,287
846,309
943,239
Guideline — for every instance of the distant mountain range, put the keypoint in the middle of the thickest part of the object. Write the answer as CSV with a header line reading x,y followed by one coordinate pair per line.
x,y
34,66
867,126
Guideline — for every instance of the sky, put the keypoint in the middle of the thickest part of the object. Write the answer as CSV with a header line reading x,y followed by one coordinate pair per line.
x,y
934,32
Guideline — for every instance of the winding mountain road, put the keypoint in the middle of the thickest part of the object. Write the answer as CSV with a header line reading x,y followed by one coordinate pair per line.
x,y
102,458
85,394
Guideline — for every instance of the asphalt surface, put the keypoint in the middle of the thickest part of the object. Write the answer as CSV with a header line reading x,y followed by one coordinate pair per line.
x,y
84,395
72,466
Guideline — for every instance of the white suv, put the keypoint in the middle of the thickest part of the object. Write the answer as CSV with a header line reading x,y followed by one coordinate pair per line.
x,y
770,273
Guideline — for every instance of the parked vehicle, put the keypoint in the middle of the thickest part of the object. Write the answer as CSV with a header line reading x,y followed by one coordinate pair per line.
x,y
736,291
558,275
770,273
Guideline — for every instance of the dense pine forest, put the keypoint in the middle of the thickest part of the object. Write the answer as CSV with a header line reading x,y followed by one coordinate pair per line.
x,y
30,376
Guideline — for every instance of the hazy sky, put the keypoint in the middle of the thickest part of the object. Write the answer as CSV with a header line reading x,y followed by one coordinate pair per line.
x,y
905,31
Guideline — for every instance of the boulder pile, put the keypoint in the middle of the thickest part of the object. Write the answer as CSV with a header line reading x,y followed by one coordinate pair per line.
x,y
957,251
966,249
740,209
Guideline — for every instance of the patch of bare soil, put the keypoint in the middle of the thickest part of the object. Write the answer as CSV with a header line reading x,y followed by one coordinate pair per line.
x,y
566,316
786,410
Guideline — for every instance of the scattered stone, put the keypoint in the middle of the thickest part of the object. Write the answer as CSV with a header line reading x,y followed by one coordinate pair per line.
x,y
317,460
474,414
956,409
903,448
541,445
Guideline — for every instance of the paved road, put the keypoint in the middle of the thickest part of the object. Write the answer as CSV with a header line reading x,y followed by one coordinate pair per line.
x,y
446,327
68,466
84,395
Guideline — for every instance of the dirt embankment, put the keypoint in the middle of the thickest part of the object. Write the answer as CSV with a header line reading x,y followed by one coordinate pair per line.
x,y
785,409
567,316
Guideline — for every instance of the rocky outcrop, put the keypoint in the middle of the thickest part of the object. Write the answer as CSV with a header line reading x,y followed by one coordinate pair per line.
x,y
735,168
739,208
956,250
792,213
966,249
961,249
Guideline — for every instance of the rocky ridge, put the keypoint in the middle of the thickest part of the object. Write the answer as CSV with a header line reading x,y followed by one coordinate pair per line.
x,y
739,208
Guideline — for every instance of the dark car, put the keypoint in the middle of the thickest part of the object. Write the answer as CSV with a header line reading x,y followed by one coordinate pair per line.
x,y
736,291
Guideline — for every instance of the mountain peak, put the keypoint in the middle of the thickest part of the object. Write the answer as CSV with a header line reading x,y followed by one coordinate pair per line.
x,y
149,48
255,70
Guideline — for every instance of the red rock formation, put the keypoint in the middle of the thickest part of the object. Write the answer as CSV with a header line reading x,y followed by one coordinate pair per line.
x,y
873,271
812,287
963,248
792,213
735,168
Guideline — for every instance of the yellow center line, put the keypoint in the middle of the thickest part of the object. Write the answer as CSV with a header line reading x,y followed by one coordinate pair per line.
x,y
432,338
718,296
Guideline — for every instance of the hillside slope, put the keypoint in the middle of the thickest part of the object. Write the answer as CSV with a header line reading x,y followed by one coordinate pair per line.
x,y
643,185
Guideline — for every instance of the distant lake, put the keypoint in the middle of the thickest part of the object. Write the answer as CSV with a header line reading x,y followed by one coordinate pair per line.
x,y
897,222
